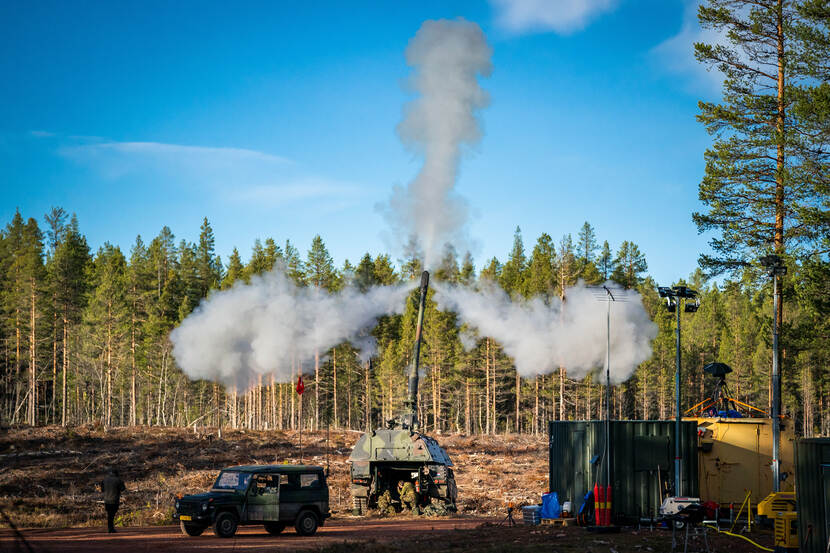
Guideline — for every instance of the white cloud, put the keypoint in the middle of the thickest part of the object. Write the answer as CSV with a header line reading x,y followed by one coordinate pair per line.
x,y
237,175
676,55
560,16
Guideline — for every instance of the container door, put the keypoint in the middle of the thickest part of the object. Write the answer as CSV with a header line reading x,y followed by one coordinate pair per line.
x,y
264,498
825,473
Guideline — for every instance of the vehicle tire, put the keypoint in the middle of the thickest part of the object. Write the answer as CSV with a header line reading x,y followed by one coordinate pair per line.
x,y
306,523
275,528
190,529
225,525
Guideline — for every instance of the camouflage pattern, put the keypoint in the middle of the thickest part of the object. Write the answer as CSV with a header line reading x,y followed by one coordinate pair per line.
x,y
409,499
385,506
436,508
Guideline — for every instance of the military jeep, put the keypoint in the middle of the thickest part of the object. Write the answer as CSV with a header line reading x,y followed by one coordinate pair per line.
x,y
272,495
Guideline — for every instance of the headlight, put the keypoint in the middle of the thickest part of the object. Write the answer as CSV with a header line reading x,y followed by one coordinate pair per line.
x,y
204,507
177,504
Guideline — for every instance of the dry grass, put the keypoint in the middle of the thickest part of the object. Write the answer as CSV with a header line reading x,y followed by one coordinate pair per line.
x,y
49,475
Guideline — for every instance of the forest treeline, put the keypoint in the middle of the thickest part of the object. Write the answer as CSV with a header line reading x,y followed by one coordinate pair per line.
x,y
85,337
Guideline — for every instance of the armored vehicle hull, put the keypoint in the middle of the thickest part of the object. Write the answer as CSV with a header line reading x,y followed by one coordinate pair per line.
x,y
382,458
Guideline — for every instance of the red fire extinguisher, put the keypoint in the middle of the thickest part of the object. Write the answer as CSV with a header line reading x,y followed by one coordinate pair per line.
x,y
599,493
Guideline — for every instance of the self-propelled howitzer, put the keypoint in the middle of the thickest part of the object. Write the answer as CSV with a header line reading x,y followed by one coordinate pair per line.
x,y
386,456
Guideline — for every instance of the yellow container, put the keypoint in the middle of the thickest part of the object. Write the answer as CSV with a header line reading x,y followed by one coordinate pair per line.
x,y
735,456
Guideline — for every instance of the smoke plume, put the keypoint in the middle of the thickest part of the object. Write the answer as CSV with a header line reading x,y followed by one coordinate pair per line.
x,y
447,57
572,334
261,328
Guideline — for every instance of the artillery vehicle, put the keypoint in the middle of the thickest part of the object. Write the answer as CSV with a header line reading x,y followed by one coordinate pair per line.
x,y
272,495
384,456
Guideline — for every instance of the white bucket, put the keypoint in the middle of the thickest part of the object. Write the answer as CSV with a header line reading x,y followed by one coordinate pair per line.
x,y
567,510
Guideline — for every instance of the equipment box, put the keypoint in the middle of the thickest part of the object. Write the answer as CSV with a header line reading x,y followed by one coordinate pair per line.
x,y
532,515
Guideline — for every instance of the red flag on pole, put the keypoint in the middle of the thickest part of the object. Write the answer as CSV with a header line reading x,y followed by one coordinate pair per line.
x,y
300,386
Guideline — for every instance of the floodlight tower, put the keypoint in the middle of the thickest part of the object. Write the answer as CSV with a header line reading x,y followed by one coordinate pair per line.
x,y
675,296
776,269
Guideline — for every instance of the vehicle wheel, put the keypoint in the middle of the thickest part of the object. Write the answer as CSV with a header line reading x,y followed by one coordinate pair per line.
x,y
192,529
225,526
275,528
306,523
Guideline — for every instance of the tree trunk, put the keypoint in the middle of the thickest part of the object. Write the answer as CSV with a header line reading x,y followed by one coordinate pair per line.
x,y
316,390
518,399
467,425
33,400
65,368
536,405
334,383
487,386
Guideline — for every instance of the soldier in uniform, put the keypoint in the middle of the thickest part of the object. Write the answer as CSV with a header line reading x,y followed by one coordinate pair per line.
x,y
112,486
385,504
409,499
435,508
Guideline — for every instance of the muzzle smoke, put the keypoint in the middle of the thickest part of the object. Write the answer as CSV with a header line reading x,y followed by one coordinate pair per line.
x,y
570,334
263,327
447,56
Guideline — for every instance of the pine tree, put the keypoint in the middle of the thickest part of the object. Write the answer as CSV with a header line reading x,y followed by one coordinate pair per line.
x,y
628,265
513,272
236,270
207,264
540,274
69,285
606,262
586,243
106,320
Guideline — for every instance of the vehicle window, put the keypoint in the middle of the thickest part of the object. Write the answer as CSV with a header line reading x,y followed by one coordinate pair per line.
x,y
232,480
310,480
289,482
265,484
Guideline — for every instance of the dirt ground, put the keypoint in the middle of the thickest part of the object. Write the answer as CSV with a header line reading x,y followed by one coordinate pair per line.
x,y
347,535
49,476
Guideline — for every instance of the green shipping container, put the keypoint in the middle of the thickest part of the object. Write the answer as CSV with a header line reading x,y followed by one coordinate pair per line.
x,y
642,463
812,493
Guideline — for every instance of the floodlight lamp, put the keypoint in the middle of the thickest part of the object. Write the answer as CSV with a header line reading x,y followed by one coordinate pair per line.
x,y
664,291
692,307
671,304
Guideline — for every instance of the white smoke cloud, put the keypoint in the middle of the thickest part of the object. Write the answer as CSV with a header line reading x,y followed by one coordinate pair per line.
x,y
541,338
448,56
262,327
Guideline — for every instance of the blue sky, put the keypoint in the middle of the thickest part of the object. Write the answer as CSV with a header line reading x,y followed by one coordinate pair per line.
x,y
278,119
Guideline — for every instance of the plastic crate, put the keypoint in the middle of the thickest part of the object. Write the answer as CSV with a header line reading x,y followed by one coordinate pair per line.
x,y
532,515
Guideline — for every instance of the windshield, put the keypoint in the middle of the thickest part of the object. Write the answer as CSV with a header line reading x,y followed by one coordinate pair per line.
x,y
232,480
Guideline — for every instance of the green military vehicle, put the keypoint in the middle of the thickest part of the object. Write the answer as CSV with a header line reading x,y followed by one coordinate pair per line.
x,y
272,495
383,457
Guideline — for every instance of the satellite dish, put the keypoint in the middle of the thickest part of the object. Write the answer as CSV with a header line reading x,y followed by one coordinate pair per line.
x,y
719,370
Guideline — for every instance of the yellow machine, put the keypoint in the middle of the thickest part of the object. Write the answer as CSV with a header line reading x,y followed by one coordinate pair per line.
x,y
734,457
734,449
786,531
776,502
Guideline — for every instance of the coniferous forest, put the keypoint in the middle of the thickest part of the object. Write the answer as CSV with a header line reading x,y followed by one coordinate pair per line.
x,y
85,337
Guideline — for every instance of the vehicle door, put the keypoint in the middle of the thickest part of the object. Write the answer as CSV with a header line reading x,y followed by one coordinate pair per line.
x,y
290,495
264,498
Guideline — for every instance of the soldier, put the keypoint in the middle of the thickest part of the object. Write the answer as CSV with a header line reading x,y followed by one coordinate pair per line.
x,y
408,496
112,486
385,504
435,508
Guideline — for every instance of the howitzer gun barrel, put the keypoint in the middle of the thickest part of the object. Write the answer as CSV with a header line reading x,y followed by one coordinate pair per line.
x,y
412,403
